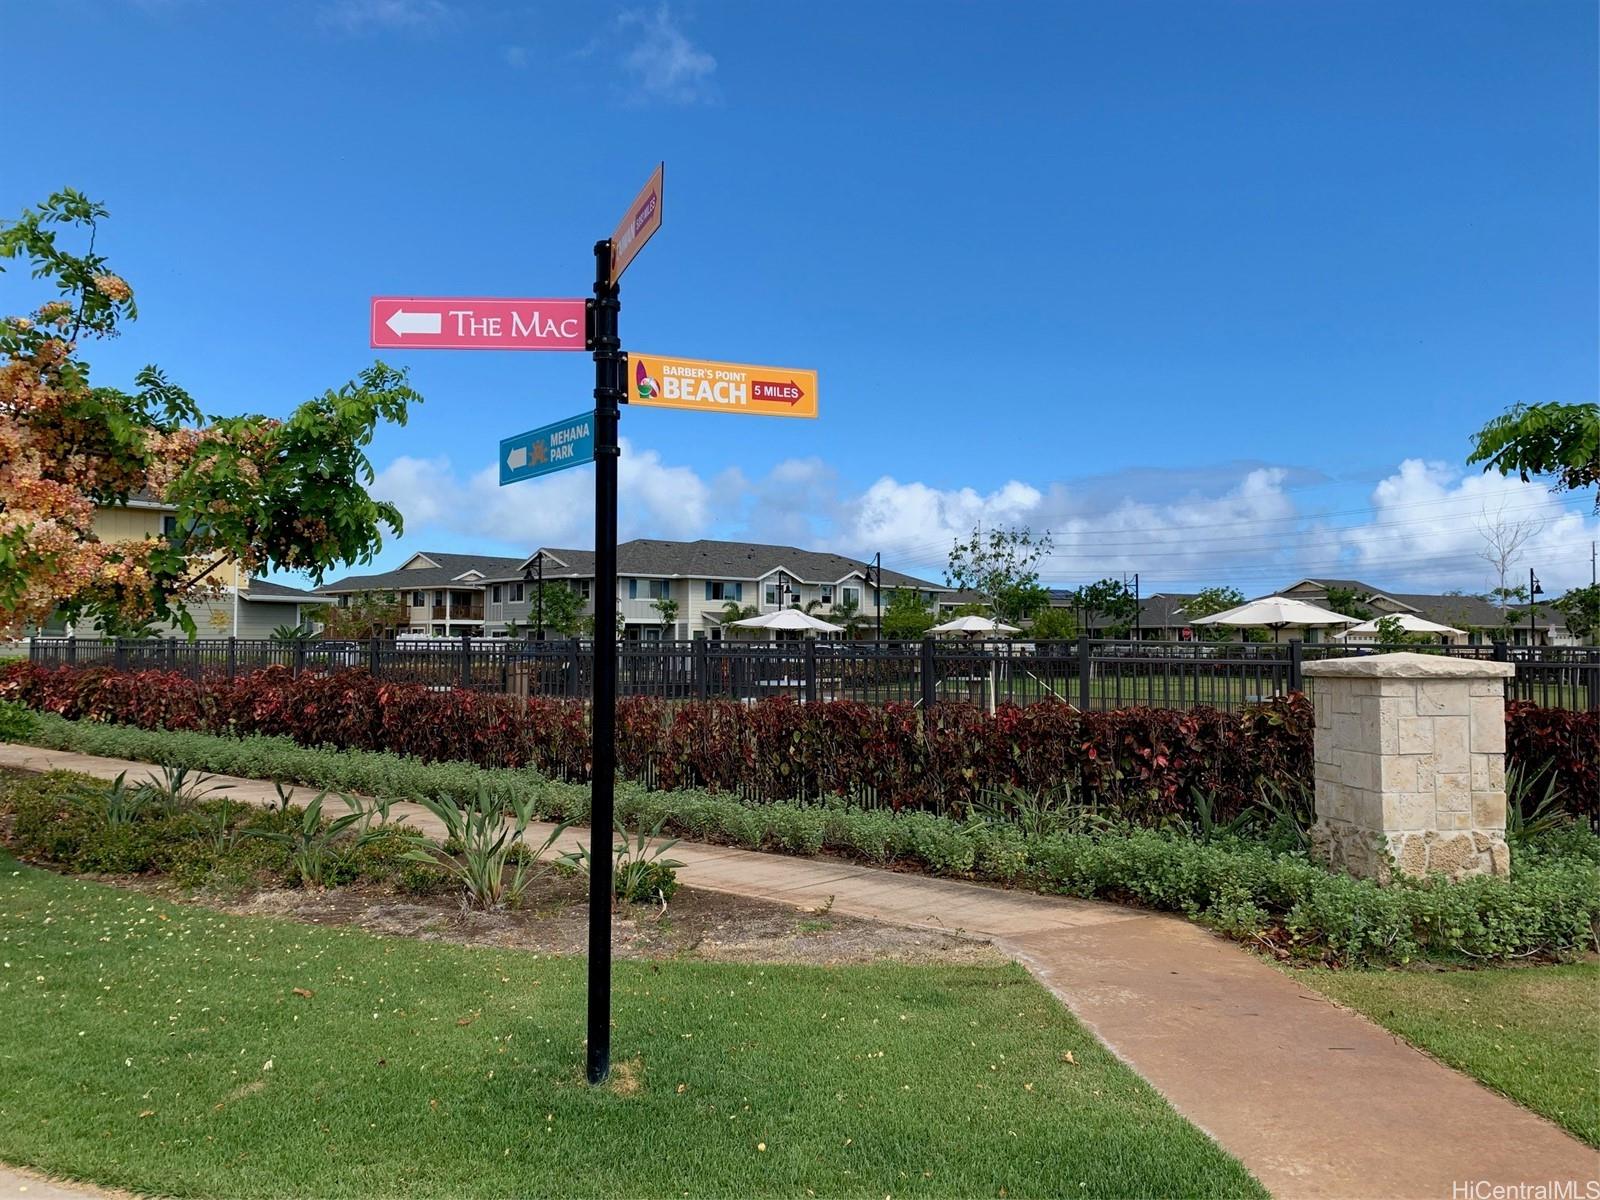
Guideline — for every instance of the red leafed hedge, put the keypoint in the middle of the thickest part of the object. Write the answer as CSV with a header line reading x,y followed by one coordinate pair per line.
x,y
1141,763
1569,741
1145,763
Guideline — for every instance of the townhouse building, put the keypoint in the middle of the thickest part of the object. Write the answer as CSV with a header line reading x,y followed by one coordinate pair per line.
x,y
246,608
665,589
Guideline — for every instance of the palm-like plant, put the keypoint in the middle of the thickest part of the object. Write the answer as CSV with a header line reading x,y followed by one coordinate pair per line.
x,y
847,614
732,611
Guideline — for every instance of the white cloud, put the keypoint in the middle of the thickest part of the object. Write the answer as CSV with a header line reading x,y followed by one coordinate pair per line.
x,y
1431,517
362,16
656,500
661,62
1242,526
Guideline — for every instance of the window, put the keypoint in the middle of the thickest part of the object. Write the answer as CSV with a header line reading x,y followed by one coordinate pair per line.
x,y
494,594
169,525
649,589
581,586
852,595
827,593
717,590
438,598
418,599
515,591
769,594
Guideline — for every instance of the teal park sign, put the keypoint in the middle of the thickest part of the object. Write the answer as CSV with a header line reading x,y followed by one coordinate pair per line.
x,y
540,451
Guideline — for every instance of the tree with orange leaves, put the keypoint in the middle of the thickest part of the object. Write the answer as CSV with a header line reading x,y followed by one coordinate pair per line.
x,y
284,493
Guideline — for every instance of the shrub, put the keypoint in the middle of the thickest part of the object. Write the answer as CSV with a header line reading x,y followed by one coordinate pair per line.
x,y
479,844
1562,742
1139,764
17,721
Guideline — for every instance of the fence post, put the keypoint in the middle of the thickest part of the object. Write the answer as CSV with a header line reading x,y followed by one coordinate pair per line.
x,y
1592,675
930,685
1085,673
72,649
700,668
233,655
572,667
299,659
1502,652
466,659
1296,660
119,655
374,665
811,670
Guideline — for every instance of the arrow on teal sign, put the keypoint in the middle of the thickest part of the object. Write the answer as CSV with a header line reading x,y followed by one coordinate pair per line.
x,y
540,451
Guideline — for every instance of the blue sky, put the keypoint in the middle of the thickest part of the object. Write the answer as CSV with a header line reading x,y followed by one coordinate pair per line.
x,y
1215,292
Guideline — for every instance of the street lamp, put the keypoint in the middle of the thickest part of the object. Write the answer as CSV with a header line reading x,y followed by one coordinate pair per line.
x,y
1534,592
529,576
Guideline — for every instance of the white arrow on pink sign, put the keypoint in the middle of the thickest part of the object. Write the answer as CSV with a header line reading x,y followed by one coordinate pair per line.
x,y
464,323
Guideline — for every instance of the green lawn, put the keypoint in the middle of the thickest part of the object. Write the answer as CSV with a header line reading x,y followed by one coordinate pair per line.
x,y
164,1048
1530,1032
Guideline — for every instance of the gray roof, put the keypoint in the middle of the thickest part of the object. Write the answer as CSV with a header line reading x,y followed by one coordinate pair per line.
x,y
260,589
449,567
706,559
1161,610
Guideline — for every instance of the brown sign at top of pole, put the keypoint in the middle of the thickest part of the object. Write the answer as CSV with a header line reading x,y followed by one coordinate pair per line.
x,y
638,224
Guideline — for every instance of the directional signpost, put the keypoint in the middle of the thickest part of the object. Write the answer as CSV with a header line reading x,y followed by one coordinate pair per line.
x,y
419,323
662,382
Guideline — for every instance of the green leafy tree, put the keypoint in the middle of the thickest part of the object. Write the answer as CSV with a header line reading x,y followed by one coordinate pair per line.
x,y
364,615
666,608
1113,600
1002,567
1054,624
253,491
906,615
1209,601
1349,602
1580,609
563,610
1558,442
1392,633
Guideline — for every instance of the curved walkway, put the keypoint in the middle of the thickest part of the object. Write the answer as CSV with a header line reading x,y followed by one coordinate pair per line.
x,y
1314,1099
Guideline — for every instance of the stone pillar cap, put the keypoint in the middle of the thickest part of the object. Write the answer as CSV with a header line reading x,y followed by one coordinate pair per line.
x,y
1406,665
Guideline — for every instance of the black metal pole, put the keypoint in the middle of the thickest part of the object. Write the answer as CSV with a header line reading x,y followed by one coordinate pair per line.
x,y
1138,614
609,370
540,561
877,588
1533,590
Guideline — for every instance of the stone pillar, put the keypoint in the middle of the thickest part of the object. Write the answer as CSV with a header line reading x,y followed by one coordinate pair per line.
x,y
1410,765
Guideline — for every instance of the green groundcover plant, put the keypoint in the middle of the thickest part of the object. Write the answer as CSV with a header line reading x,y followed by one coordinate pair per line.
x,y
1234,881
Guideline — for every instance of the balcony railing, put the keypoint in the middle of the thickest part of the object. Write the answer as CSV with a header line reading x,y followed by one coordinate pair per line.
x,y
457,612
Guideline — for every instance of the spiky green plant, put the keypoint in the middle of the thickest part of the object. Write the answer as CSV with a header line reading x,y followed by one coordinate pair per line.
x,y
484,837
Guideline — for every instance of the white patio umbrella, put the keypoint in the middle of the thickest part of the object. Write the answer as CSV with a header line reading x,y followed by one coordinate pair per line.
x,y
1408,623
1276,613
788,620
974,625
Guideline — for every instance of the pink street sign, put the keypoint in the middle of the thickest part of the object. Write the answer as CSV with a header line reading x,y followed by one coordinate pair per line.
x,y
455,323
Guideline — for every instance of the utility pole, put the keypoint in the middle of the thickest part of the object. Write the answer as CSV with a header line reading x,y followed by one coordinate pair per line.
x,y
877,588
1138,613
610,371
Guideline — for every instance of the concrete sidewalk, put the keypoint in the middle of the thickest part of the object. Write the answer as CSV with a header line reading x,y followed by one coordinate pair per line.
x,y
1314,1099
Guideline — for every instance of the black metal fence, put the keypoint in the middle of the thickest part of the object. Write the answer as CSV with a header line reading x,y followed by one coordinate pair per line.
x,y
1090,673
